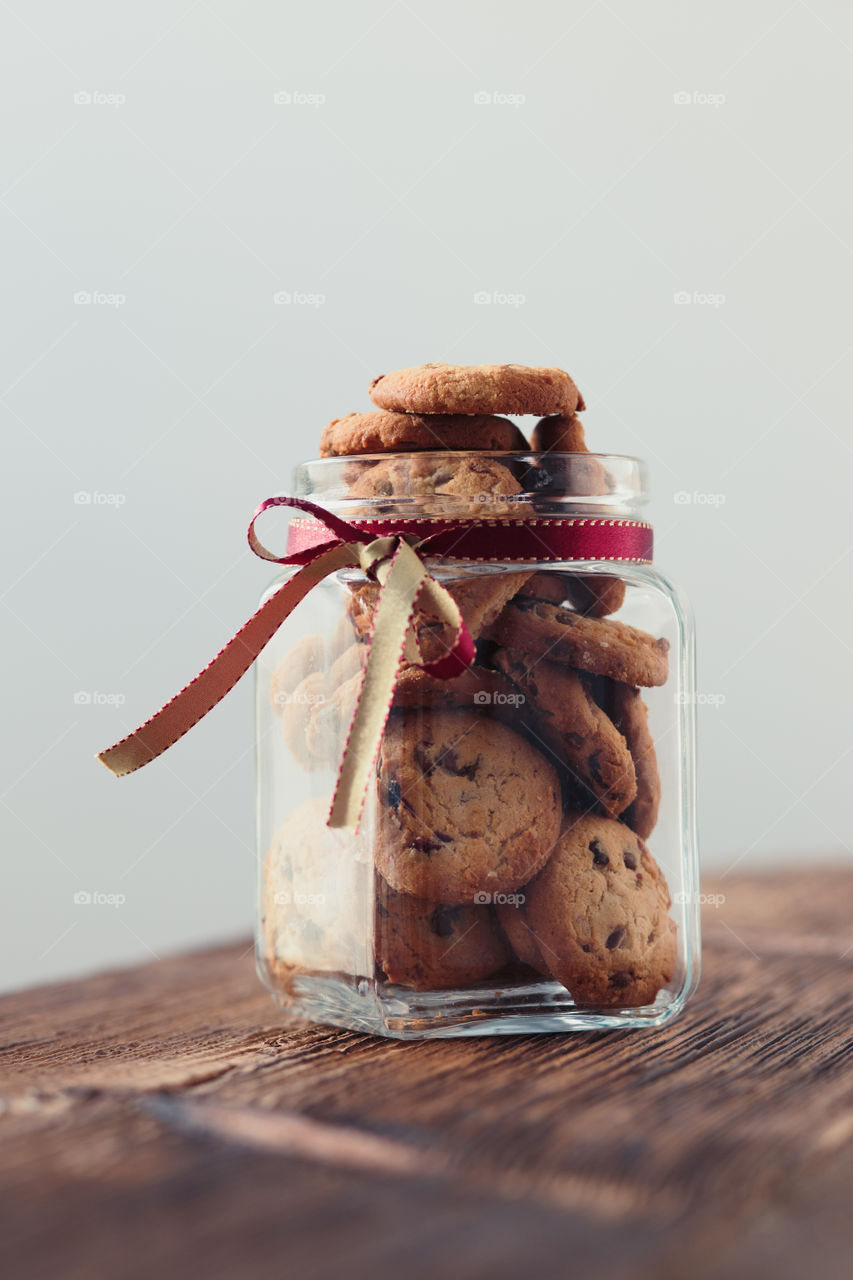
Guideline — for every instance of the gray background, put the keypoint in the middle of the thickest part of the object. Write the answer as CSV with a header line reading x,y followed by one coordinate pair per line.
x,y
582,198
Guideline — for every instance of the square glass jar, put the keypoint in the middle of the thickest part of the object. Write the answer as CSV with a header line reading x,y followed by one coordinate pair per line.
x,y
527,856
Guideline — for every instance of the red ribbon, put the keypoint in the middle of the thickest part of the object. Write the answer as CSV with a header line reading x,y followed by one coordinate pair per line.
x,y
500,540
326,543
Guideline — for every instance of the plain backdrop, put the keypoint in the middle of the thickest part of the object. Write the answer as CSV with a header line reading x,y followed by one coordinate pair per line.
x,y
220,220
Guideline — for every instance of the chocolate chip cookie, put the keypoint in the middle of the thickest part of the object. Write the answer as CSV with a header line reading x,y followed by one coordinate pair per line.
x,y
381,432
599,907
474,389
561,433
480,485
465,806
592,594
512,918
583,739
480,597
599,645
432,946
630,714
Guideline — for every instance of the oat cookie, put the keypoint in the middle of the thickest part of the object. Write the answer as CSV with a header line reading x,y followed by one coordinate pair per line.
x,y
346,665
600,909
301,705
329,720
581,736
465,806
432,946
470,389
381,432
314,895
631,717
593,594
598,645
307,656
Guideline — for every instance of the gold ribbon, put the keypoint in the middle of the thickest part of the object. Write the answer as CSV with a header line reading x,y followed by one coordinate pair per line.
x,y
404,584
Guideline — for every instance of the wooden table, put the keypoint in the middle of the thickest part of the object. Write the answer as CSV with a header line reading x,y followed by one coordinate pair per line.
x,y
167,1122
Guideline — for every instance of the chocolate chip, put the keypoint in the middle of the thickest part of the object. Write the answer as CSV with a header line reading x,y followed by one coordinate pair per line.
x,y
616,938
630,859
443,920
450,764
620,979
537,479
422,845
599,857
394,794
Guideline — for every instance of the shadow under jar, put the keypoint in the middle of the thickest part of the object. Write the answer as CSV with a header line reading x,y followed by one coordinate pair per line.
x,y
526,859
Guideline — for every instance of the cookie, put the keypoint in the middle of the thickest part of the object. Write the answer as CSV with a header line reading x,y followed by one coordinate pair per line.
x,y
599,907
483,485
296,716
477,687
513,921
562,433
307,656
593,594
380,432
347,665
465,806
432,946
325,728
480,597
314,897
582,737
630,714
599,645
473,389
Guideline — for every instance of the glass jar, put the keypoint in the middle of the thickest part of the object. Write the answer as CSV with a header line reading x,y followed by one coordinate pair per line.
x,y
526,858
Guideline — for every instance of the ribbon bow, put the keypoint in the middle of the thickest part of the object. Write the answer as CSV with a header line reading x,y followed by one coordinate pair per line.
x,y
404,583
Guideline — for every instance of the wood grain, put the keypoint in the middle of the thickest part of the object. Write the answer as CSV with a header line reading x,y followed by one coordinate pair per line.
x,y
170,1120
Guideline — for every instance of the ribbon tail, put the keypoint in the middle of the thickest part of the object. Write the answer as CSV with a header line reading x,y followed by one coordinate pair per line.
x,y
460,655
401,580
210,686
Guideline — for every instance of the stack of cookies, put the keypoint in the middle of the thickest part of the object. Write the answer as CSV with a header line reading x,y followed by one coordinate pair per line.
x,y
512,804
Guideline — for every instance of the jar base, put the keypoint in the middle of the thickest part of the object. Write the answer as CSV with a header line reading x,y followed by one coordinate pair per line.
x,y
402,1014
